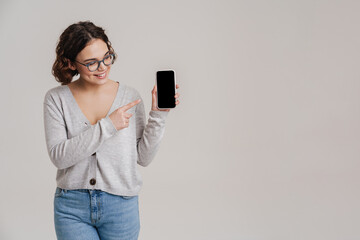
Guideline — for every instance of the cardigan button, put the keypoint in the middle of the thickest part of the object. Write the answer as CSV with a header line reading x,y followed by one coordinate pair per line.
x,y
93,154
93,181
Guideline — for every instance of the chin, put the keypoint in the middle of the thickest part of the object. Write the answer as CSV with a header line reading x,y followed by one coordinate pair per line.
x,y
102,79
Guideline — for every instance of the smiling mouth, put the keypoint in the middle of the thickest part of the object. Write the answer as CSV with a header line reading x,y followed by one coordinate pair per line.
x,y
101,75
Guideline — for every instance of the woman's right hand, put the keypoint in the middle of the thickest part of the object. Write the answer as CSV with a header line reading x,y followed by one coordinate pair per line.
x,y
120,117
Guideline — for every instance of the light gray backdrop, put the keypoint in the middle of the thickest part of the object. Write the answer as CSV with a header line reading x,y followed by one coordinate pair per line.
x,y
265,144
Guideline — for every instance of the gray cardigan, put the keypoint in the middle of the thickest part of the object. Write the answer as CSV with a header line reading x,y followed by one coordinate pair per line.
x,y
99,156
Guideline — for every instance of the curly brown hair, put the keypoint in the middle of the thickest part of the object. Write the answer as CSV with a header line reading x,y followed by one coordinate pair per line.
x,y
72,41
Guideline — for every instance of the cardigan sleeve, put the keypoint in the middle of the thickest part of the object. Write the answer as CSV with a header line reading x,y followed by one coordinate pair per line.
x,y
148,135
65,152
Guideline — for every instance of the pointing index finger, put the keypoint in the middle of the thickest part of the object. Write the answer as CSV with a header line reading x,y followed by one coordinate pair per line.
x,y
130,105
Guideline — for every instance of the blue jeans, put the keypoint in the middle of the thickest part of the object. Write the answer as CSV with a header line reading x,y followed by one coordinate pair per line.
x,y
85,214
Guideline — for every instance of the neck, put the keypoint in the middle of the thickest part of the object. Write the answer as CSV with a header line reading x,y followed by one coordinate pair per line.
x,y
91,87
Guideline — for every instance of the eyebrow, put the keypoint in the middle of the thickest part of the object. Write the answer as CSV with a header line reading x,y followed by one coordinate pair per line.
x,y
95,58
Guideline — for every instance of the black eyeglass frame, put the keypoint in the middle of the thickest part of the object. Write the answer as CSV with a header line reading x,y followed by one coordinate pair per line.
x,y
99,62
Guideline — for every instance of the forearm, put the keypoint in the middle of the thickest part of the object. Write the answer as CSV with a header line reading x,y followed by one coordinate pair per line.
x,y
153,133
65,152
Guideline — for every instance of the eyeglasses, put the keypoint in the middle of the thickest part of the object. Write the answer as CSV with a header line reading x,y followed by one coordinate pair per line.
x,y
94,65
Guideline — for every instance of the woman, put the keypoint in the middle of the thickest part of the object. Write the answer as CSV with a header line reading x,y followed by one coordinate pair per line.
x,y
96,134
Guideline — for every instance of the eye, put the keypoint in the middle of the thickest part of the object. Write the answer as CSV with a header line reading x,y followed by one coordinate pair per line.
x,y
92,63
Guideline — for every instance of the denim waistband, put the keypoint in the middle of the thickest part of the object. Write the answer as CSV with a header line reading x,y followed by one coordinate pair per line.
x,y
81,190
90,191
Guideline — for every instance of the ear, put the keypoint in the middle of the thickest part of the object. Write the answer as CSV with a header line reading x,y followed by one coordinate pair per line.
x,y
71,65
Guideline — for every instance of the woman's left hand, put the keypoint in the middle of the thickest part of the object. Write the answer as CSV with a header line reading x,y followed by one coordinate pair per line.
x,y
154,103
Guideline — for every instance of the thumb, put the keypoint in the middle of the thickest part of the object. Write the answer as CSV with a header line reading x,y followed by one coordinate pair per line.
x,y
154,94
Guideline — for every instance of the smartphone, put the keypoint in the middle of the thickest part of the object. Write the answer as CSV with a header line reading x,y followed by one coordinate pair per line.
x,y
166,90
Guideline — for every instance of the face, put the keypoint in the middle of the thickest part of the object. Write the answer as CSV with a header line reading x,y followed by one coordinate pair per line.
x,y
95,50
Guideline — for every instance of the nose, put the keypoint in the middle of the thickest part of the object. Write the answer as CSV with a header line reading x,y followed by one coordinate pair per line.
x,y
102,66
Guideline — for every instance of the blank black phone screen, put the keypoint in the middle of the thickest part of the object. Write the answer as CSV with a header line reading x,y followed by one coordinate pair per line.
x,y
165,81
